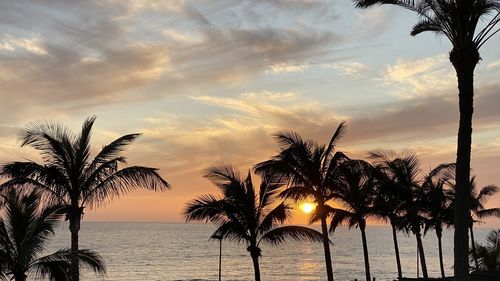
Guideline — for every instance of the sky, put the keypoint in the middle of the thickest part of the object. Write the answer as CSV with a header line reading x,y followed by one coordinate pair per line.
x,y
212,80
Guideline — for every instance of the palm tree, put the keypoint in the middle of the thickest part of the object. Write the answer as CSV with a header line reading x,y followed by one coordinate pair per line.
x,y
68,176
242,215
489,254
478,199
458,20
25,229
413,220
308,169
388,205
437,204
398,176
354,191
401,173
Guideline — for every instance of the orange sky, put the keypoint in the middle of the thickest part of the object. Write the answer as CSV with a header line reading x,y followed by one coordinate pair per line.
x,y
212,80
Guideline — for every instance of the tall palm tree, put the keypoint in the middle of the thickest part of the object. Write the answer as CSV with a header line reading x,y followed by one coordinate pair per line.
x,y
403,173
437,203
398,179
25,229
354,191
68,176
308,169
244,214
459,21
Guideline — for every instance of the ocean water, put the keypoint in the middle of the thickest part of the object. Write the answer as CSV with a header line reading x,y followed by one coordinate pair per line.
x,y
178,251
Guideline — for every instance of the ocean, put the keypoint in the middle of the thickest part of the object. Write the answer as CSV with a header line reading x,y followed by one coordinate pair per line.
x,y
179,251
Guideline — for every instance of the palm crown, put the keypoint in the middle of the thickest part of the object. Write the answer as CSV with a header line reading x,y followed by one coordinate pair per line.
x,y
356,184
457,20
24,232
308,166
69,176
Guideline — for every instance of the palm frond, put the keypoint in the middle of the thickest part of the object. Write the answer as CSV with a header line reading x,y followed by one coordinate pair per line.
x,y
56,265
339,133
91,260
123,181
340,217
223,174
207,208
278,215
298,233
298,193
112,150
425,25
486,191
285,139
486,213
269,188
82,143
231,231
51,267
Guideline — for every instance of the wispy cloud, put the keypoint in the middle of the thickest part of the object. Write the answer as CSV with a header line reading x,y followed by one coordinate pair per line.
x,y
33,45
351,69
420,77
284,67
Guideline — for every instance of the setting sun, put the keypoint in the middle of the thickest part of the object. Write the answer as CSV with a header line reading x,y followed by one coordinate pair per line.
x,y
307,207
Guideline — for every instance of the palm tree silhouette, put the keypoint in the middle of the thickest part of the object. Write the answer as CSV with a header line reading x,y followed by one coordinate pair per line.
x,y
68,175
458,20
403,172
354,190
413,220
308,169
488,254
388,205
25,229
478,210
437,203
242,215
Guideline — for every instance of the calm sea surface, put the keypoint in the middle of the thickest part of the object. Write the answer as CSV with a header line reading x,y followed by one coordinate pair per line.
x,y
177,251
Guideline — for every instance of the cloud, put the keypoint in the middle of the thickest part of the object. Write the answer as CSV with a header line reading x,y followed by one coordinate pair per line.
x,y
372,22
287,68
420,77
32,45
494,65
425,118
242,135
233,54
89,53
65,76
351,69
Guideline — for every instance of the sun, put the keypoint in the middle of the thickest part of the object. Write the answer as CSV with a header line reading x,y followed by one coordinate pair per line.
x,y
307,207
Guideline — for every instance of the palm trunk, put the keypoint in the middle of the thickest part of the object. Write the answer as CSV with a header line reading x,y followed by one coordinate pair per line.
x,y
362,227
256,268
326,246
420,247
74,227
220,258
396,249
19,276
440,248
464,61
474,253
